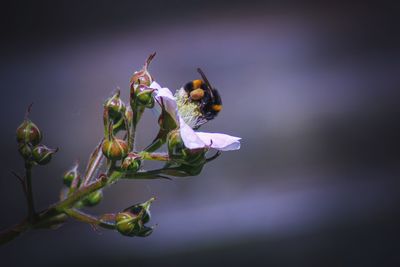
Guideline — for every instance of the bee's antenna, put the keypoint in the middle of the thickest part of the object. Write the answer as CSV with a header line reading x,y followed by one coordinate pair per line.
x,y
206,81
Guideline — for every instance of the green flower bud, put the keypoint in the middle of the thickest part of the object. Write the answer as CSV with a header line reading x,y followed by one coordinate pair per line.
x,y
142,210
131,163
93,199
127,224
115,149
144,97
25,150
70,175
28,132
42,154
143,77
115,106
131,221
174,142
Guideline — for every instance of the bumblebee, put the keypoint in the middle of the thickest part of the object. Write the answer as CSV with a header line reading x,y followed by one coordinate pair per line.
x,y
206,98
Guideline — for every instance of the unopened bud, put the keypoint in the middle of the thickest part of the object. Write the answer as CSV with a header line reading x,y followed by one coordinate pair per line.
x,y
25,150
28,132
144,97
93,199
115,149
142,210
127,224
42,154
115,106
143,76
131,163
70,175
131,221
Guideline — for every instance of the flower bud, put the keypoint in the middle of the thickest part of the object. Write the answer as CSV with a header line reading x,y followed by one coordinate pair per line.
x,y
143,77
174,142
28,132
141,209
70,175
131,163
25,150
127,224
115,149
115,106
144,97
42,154
131,221
93,199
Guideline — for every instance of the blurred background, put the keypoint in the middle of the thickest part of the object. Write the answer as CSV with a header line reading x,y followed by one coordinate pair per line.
x,y
312,90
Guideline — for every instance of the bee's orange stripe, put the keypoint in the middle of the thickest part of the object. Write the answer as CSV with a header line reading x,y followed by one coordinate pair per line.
x,y
197,84
217,108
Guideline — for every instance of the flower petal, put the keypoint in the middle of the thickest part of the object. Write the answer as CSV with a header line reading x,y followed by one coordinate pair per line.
x,y
189,137
220,141
164,96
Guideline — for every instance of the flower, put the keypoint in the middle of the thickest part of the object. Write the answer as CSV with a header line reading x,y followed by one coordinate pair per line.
x,y
192,139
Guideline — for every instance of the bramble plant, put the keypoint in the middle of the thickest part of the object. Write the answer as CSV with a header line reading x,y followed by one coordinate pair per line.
x,y
187,152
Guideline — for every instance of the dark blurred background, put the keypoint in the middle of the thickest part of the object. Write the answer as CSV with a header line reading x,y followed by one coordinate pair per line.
x,y
312,90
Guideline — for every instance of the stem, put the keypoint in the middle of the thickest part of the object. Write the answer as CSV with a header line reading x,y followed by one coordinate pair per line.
x,y
154,156
53,215
11,233
87,218
29,193
137,115
79,194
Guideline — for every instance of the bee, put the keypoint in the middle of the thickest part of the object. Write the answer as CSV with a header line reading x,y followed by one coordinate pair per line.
x,y
208,97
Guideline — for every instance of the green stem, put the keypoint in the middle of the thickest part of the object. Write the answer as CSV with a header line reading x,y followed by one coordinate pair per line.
x,y
29,192
80,193
137,115
87,218
154,156
11,233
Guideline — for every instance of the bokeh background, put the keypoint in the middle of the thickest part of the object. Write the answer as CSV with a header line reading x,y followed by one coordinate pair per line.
x,y
312,90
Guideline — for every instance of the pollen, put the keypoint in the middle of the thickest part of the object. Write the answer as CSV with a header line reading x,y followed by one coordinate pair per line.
x,y
197,94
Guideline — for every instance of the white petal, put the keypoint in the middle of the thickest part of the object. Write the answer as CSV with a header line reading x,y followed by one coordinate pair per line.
x,y
189,137
220,141
155,85
164,96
